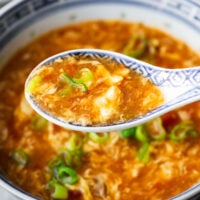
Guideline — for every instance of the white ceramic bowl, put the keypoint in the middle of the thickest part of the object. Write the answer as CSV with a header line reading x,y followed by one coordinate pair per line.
x,y
23,20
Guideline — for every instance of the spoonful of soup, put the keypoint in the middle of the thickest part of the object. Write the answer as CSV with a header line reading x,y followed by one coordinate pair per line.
x,y
98,91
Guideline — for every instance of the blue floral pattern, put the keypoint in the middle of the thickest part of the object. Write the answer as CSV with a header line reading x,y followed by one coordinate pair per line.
x,y
186,10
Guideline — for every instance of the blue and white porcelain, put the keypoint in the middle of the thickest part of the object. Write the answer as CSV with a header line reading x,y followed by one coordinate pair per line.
x,y
178,86
23,20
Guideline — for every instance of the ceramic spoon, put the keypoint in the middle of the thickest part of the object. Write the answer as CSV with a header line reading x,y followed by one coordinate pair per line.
x,y
179,87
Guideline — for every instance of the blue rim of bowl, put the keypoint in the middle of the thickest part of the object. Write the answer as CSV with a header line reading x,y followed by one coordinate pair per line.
x,y
14,30
179,10
15,190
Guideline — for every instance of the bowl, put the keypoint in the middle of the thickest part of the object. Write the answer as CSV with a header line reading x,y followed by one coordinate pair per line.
x,y
22,21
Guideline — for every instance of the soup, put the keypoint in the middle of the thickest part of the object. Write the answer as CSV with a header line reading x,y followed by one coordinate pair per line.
x,y
66,87
138,163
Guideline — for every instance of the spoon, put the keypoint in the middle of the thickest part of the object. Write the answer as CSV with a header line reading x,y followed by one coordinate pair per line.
x,y
178,86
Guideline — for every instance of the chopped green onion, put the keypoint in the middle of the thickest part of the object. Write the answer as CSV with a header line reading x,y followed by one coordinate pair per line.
x,y
136,46
58,191
128,133
180,131
98,137
72,82
75,142
33,84
20,157
58,161
156,129
38,123
141,134
77,158
143,153
66,175
67,157
65,91
192,133
83,75
72,158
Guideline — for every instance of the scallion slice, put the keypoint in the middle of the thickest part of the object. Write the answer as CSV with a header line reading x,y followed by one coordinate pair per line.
x,y
75,142
83,75
98,137
66,175
143,153
128,133
57,190
58,161
141,134
136,46
33,84
65,91
20,157
72,158
182,130
72,82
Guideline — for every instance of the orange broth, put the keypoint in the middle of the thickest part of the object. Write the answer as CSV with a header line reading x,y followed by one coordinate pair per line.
x,y
108,166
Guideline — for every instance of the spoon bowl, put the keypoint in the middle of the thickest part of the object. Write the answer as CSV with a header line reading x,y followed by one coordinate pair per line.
x,y
178,86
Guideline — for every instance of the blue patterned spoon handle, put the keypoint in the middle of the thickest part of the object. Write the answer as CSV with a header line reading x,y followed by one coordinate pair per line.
x,y
183,85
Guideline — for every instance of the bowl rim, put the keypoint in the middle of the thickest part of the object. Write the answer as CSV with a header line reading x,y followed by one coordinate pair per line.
x,y
14,189
5,183
9,6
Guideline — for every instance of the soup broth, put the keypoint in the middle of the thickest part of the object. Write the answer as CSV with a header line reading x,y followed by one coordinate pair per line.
x,y
139,163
